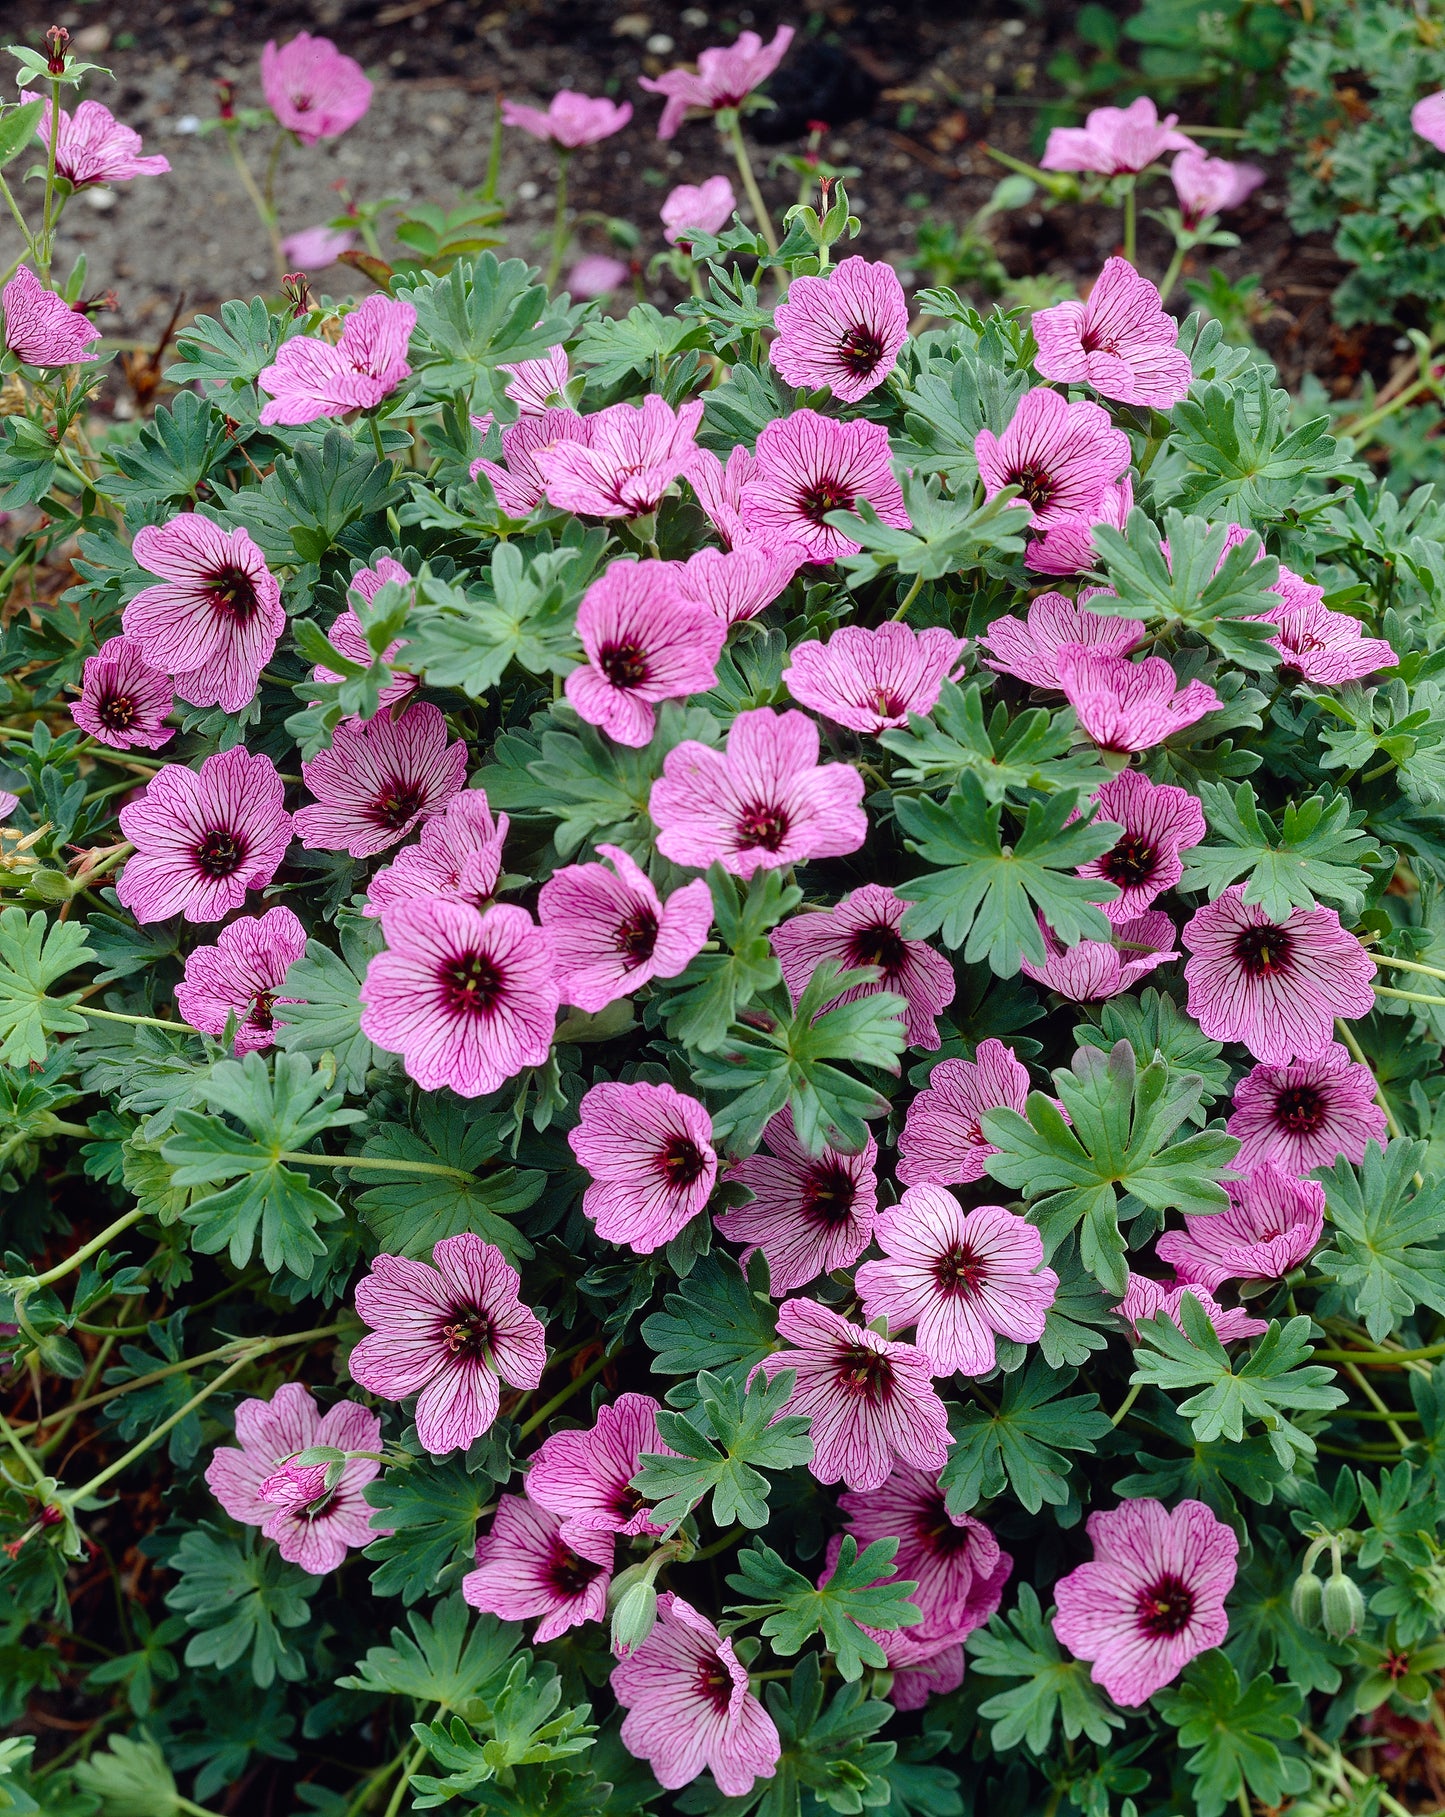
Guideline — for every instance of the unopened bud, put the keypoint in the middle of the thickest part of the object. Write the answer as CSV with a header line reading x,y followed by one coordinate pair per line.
x,y
226,99
51,1515
1306,1599
57,42
1344,1607
633,1618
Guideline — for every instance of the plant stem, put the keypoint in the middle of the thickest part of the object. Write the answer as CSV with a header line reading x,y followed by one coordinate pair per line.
x,y
1127,1402
1372,418
734,132
376,438
418,1754
14,207
258,201
1347,1035
1130,206
1407,965
1397,1431
908,599
548,1408
1379,1359
718,1545
115,1015
376,1162
560,235
494,151
1171,275
86,1250
1382,990
51,214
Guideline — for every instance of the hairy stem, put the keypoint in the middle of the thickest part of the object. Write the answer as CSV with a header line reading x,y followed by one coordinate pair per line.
x,y
734,133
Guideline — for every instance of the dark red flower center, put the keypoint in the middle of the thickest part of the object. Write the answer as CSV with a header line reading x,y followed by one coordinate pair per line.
x,y
1133,860
823,496
302,103
1091,342
567,1572
624,665
233,591
397,803
1263,951
1035,486
860,350
470,1333
1166,1607
625,1502
117,712
958,1271
762,824
682,1163
938,1532
714,1682
220,852
637,937
1300,1109
828,1194
864,1373
880,945
260,1014
472,984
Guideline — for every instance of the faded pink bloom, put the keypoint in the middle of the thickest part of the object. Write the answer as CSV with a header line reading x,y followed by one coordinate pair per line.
x,y
871,680
596,275
763,802
1427,117
1120,341
962,1278
1030,651
1207,186
585,1478
870,1399
314,248
467,999
688,1704
1115,141
611,931
519,486
215,620
270,1433
644,642
724,78
943,1143
41,329
1320,646
123,700
1068,544
445,1333
346,634
242,976
843,330
723,491
1276,987
690,209
309,378
953,1558
526,1567
1129,706
569,119
1094,970
1273,1223
92,146
459,855
809,1213
204,837
8,805
864,929
807,465
295,1486
378,778
739,583
1147,1299
630,458
650,1154
1151,1599
934,1676
1158,822
313,90
1306,1116
1063,457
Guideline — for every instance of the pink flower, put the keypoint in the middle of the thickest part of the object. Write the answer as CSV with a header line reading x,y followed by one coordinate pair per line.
x,y
724,78
215,620
807,465
738,584
1306,1116
1068,544
1115,141
1147,1299
519,486
612,932
123,700
1030,651
41,329
1063,457
1158,822
871,680
346,634
596,275
1207,186
1094,970
630,458
93,147
271,1432
953,1558
1120,341
241,976
1276,987
763,802
525,1567
8,805
843,330
644,642
1129,706
536,386
697,208
313,90
936,1676
1317,645
570,119
379,777
459,855
1273,1223
864,930
650,1154
1427,117
467,999
309,378
295,1486
445,1333
961,1277
688,1704
943,1143
314,248
809,1213
585,1478
1151,1599
871,1400
723,491
204,837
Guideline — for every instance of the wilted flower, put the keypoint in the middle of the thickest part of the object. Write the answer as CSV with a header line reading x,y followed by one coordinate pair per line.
x,y
1129,706
612,932
519,486
92,146
1273,1223
724,78
809,1213
1093,970
309,378
41,329
843,330
313,90
526,1567
697,208
650,1154
378,778
459,854
1121,341
871,680
569,119
1207,186
1306,1116
1030,650
242,976
943,1141
585,1478
631,456
123,700
807,465
1147,1299
1115,141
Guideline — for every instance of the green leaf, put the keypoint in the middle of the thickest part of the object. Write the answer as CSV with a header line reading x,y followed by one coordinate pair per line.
x,y
27,462
1051,1689
1314,853
1008,753
849,1599
717,1321
1021,1446
33,956
172,455
948,536
1250,463
327,1019
18,127
1206,1473
480,313
1233,1731
702,1004
1153,1023
431,1512
309,498
130,1778
614,348
734,1434
520,1729
230,352
439,1661
239,1596
1386,1256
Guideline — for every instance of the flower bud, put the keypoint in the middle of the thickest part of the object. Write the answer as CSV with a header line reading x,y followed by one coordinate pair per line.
x,y
633,1618
1307,1599
226,99
1344,1607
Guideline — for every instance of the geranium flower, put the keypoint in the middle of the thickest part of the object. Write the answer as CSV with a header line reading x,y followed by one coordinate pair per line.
x,y
723,491
8,805
1115,141
1068,543
585,1478
872,680
1159,822
870,1399
1129,706
1207,186
570,119
1061,456
241,976
378,778
595,275
1273,1223
467,999
807,465
1147,1299
690,209
41,329
962,1278
313,90
1121,341
942,1141
763,802
724,78
310,378
346,634
631,456
1093,970
1320,646
739,583
612,932
843,330
123,700
1275,986
270,1433
650,1154
459,856
1306,1116
204,837
1151,1599
536,386
314,248
92,146
445,1333
644,642
526,1567
809,1213
1427,117
864,929
1030,650
519,486
688,1704
954,1559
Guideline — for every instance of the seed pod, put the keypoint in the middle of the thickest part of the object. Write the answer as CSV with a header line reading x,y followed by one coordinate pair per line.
x,y
1344,1607
1307,1600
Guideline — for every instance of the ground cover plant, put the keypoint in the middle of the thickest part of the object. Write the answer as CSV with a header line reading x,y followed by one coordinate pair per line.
x,y
719,1031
